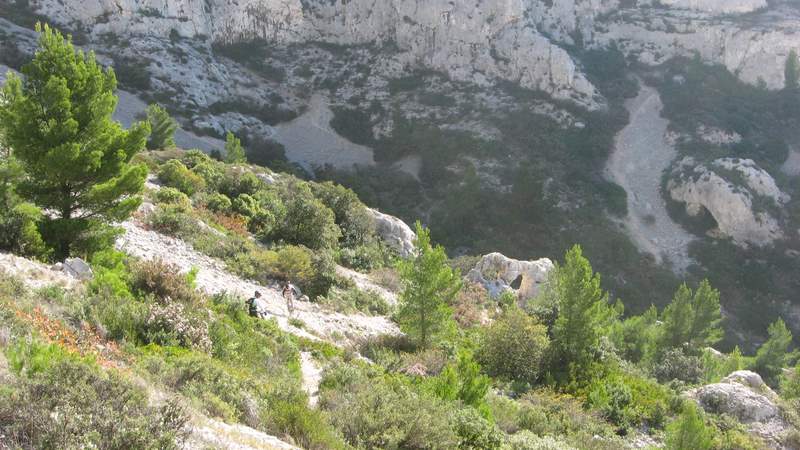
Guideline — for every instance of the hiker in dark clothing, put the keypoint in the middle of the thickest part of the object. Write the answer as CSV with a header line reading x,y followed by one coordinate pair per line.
x,y
254,306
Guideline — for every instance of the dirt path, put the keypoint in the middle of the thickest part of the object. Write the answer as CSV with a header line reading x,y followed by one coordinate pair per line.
x,y
312,375
310,141
637,164
309,320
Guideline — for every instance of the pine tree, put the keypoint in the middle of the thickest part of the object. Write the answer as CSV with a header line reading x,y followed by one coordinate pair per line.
x,y
583,315
792,71
234,152
464,381
689,431
57,120
162,127
692,318
771,357
429,285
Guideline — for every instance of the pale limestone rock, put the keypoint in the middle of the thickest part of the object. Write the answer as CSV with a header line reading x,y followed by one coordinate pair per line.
x,y
77,268
745,396
731,206
394,232
498,273
757,179
756,54
497,39
717,136
717,6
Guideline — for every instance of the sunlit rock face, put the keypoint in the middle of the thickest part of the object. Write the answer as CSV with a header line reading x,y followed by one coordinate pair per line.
x,y
729,189
498,274
468,41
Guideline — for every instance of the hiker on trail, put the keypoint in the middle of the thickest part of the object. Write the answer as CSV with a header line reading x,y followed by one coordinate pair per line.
x,y
289,292
255,306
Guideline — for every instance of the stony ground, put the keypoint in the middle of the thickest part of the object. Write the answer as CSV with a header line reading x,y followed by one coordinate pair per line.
x,y
637,164
309,319
310,141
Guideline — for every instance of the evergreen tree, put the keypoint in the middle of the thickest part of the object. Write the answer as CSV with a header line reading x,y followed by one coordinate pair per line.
x,y
772,357
162,127
689,431
57,120
583,315
790,383
692,318
464,381
234,152
429,285
792,71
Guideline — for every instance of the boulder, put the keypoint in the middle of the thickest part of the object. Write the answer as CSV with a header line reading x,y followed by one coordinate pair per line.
x,y
498,273
744,396
700,186
77,268
394,232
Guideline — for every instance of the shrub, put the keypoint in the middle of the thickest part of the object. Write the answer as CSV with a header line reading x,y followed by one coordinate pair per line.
x,y
630,401
173,220
219,203
475,432
689,431
69,403
19,233
163,281
525,440
513,347
308,221
174,174
210,172
173,196
353,299
236,182
172,324
364,258
373,413
674,364
549,414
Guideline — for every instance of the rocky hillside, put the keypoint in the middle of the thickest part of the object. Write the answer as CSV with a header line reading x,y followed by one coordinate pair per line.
x,y
496,121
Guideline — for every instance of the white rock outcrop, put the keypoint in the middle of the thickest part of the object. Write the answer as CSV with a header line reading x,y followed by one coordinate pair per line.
x,y
394,232
464,40
699,186
717,6
498,273
745,396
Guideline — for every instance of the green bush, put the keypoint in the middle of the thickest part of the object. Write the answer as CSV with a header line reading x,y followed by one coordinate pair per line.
x,y
19,231
514,346
475,432
173,220
69,403
237,181
172,196
630,401
308,221
675,364
174,174
173,325
164,282
219,203
353,299
525,440
378,413
210,171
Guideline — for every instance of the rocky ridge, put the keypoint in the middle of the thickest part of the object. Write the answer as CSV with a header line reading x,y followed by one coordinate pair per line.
x,y
731,204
